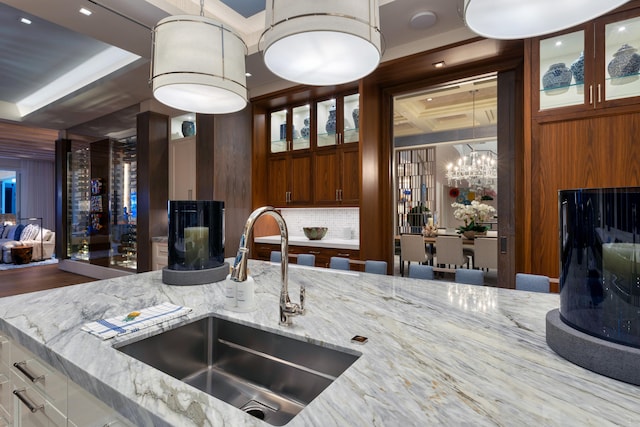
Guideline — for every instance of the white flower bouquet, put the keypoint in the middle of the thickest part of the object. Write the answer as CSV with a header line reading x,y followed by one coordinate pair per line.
x,y
472,214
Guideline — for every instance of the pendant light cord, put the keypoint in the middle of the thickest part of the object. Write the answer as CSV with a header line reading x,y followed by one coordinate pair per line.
x,y
201,7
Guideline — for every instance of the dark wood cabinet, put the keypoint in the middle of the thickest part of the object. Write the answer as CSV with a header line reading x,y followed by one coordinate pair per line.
x,y
313,153
290,180
323,255
337,176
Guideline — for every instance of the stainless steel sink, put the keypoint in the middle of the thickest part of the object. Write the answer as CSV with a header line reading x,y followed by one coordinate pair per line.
x,y
267,375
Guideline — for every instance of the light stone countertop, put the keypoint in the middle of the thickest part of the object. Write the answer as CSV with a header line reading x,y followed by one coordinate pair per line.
x,y
353,244
439,353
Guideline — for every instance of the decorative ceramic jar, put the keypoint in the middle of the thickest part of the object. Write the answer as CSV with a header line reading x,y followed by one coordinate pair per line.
x,y
330,127
305,129
557,76
577,68
356,117
625,62
188,128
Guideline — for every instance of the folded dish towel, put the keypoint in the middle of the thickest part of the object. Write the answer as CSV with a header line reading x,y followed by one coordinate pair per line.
x,y
134,321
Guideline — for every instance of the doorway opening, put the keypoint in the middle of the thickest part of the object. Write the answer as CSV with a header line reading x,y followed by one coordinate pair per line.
x,y
445,157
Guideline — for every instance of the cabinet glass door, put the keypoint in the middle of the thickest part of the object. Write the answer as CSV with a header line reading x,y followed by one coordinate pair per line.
x,y
562,70
326,123
279,131
622,61
351,118
301,130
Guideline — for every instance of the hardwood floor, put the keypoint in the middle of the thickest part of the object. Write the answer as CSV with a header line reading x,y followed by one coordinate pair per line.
x,y
31,279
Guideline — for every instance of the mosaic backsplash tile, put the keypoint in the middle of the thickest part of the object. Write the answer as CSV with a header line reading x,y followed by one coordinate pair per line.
x,y
343,223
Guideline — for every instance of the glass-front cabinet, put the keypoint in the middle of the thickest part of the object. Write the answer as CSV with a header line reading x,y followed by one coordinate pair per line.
x,y
338,120
290,129
102,203
622,62
595,65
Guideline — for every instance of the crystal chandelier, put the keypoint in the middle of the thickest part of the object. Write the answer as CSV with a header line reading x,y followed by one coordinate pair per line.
x,y
479,169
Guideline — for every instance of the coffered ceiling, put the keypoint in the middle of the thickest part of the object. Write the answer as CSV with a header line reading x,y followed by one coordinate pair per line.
x,y
59,41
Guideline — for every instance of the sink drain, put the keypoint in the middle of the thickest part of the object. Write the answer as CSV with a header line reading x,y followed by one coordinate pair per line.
x,y
258,409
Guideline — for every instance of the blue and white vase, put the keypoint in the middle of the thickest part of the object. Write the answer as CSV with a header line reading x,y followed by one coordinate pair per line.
x,y
625,62
305,129
356,117
577,68
330,127
557,76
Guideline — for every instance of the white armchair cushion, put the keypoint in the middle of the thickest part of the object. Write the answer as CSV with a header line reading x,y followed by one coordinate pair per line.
x,y
26,232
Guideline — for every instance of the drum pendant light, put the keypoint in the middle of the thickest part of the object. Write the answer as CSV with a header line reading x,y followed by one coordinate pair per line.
x,y
519,19
198,65
323,42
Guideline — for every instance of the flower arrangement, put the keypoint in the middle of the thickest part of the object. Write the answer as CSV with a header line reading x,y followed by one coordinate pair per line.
x,y
472,214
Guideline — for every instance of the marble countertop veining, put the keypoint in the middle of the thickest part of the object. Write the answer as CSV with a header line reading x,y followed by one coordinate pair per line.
x,y
336,243
439,353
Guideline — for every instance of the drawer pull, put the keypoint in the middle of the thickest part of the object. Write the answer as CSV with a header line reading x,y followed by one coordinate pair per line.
x,y
344,255
22,367
314,252
22,395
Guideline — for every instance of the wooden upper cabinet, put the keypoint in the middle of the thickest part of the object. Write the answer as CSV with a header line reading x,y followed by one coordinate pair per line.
x,y
592,66
313,151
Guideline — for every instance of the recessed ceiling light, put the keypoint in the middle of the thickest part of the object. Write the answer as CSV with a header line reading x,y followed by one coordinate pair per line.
x,y
559,43
248,74
423,20
438,64
85,11
25,21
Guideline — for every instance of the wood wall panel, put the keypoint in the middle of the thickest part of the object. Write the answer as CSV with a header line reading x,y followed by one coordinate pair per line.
x,y
153,183
232,165
580,153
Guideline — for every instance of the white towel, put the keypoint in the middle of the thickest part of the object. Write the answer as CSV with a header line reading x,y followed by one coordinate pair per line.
x,y
109,328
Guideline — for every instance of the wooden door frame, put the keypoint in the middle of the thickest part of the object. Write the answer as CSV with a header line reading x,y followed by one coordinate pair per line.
x,y
470,58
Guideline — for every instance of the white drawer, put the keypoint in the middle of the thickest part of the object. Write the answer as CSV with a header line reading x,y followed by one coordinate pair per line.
x,y
85,410
6,398
32,408
39,375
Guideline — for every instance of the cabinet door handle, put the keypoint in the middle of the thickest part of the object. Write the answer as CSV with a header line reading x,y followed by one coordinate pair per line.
x,y
22,367
341,194
599,93
344,255
314,252
21,393
590,94
337,195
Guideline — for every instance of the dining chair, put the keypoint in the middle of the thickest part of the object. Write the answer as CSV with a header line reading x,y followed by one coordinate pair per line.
x,y
375,267
532,282
307,259
339,263
449,251
276,256
485,252
421,271
412,248
469,276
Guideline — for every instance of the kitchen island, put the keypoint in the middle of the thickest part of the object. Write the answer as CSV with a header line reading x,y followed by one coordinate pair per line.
x,y
438,353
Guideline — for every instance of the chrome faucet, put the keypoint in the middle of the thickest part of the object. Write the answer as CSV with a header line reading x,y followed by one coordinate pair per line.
x,y
239,271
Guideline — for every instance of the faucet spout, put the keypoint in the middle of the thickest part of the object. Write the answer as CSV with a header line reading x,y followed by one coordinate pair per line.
x,y
239,271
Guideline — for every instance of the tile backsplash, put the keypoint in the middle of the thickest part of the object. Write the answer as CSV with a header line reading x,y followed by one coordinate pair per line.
x,y
342,222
